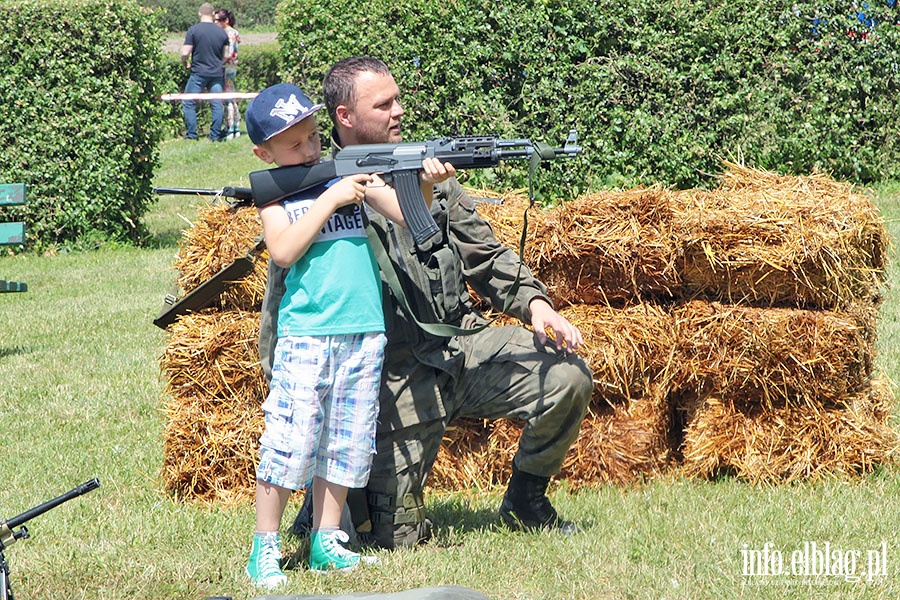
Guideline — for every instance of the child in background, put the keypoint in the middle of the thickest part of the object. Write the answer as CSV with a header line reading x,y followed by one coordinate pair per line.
x,y
225,19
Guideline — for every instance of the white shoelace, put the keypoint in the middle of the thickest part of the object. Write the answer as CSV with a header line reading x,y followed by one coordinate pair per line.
x,y
332,545
270,554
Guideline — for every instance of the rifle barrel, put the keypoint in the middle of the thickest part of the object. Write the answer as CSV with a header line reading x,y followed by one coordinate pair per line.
x,y
239,193
185,191
84,488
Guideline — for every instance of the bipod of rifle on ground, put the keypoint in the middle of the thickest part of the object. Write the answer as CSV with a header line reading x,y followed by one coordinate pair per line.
x,y
14,529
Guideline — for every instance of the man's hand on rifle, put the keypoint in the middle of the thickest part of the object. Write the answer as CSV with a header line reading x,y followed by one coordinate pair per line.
x,y
434,171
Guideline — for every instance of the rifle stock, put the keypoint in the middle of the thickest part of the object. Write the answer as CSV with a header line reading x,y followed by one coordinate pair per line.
x,y
204,294
399,164
272,185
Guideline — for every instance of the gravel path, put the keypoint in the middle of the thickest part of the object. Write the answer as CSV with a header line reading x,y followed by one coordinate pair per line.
x,y
174,41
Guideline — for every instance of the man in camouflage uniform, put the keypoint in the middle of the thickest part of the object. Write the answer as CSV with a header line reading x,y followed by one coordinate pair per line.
x,y
428,381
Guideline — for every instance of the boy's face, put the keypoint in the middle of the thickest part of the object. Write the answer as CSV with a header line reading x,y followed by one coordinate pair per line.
x,y
300,144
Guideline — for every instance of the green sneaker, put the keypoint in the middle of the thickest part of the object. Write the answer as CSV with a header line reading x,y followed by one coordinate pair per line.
x,y
327,553
264,565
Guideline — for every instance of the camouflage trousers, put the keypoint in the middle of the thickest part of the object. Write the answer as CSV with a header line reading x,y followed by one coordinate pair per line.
x,y
500,372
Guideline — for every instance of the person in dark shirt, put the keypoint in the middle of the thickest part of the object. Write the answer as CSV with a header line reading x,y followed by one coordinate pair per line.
x,y
204,52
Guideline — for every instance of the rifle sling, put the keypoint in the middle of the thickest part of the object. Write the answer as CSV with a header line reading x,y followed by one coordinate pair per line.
x,y
390,277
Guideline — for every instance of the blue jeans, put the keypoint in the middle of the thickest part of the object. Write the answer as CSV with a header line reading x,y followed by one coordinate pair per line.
x,y
195,85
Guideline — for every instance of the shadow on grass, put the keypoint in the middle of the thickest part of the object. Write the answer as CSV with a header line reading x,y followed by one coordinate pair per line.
x,y
452,519
164,239
14,351
452,516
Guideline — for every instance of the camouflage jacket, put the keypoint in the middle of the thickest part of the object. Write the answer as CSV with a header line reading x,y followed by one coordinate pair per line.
x,y
434,278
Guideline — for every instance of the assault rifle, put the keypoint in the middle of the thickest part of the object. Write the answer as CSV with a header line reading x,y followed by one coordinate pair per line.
x,y
9,534
399,165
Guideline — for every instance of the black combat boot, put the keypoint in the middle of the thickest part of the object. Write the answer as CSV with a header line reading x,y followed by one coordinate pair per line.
x,y
526,506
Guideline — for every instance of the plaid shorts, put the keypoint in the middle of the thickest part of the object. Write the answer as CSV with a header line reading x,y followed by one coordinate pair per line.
x,y
321,410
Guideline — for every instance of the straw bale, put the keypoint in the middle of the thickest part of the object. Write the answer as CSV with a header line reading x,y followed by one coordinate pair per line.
x,y
773,355
219,236
211,447
781,445
601,248
472,455
876,402
627,349
773,394
214,390
214,354
771,240
760,238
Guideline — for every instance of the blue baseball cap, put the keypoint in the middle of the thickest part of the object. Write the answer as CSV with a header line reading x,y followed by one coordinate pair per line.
x,y
275,109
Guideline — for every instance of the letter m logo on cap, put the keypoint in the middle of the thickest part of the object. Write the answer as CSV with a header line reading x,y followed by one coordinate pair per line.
x,y
288,110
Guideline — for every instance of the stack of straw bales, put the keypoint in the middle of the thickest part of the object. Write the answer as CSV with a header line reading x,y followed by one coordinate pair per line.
x,y
214,383
730,330
746,316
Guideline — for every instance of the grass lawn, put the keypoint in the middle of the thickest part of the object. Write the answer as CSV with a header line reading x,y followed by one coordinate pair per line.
x,y
80,391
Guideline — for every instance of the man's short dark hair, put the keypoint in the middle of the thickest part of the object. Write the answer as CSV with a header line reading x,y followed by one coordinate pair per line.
x,y
339,86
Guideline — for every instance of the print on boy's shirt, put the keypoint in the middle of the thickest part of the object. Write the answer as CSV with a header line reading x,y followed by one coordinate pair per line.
x,y
339,226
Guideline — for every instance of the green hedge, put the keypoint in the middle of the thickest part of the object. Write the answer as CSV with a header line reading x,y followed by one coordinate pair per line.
x,y
81,124
659,91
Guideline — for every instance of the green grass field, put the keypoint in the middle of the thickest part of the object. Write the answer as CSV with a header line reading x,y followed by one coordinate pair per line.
x,y
80,391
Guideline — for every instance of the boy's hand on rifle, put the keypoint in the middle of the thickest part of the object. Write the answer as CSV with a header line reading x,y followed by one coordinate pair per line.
x,y
434,171
349,190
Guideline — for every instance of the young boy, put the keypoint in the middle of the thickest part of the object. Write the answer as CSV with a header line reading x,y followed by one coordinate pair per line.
x,y
323,399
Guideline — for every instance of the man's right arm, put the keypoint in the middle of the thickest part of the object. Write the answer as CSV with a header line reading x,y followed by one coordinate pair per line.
x,y
186,51
488,266
491,269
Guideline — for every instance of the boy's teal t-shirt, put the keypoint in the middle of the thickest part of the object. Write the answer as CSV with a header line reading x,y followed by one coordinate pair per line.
x,y
335,287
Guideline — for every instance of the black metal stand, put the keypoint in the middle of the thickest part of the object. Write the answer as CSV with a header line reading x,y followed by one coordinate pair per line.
x,y
7,538
9,534
5,590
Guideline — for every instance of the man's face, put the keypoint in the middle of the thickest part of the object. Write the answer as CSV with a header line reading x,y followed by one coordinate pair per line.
x,y
298,145
375,119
